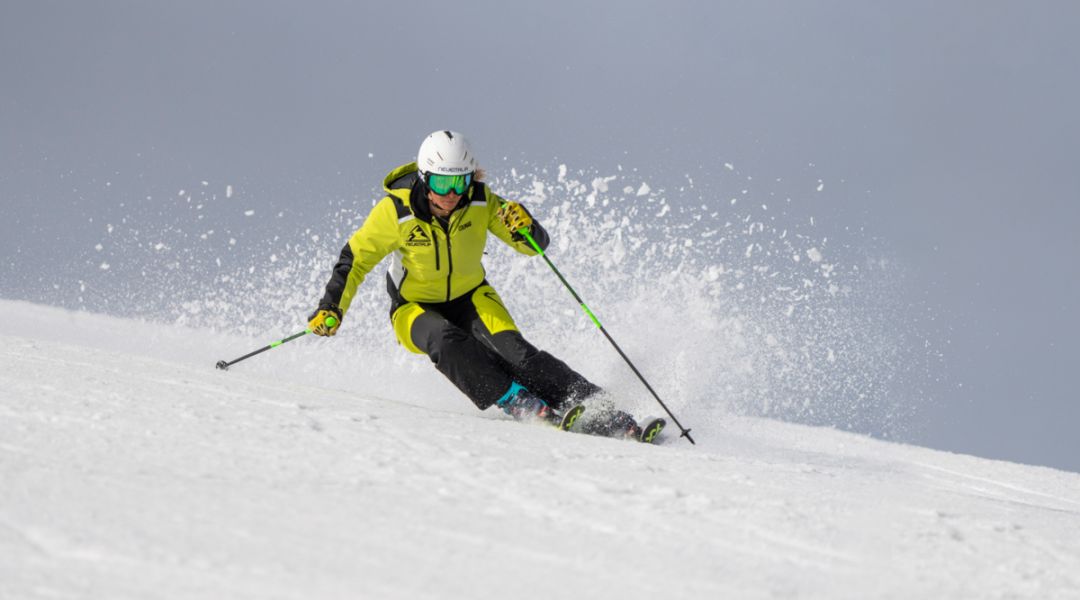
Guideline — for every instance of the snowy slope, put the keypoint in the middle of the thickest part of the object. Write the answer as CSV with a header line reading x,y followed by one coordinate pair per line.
x,y
130,468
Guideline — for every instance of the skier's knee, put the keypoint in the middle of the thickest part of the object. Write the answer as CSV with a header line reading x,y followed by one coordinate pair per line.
x,y
432,333
514,348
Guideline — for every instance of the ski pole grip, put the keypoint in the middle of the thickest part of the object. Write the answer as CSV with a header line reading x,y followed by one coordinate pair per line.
x,y
331,321
524,232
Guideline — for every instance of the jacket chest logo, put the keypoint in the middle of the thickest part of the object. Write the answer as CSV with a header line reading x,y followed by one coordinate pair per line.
x,y
417,237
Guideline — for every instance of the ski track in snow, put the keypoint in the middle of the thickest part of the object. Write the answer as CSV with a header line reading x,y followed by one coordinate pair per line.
x,y
131,468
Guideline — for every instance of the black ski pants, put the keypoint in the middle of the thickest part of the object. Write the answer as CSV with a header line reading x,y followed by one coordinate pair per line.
x,y
473,341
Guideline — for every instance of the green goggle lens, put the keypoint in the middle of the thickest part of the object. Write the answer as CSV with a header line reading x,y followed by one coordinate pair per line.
x,y
442,184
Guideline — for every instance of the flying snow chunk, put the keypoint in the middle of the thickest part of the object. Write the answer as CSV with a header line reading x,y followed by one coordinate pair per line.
x,y
729,166
228,191
814,254
248,213
644,189
104,266
538,189
820,185
600,184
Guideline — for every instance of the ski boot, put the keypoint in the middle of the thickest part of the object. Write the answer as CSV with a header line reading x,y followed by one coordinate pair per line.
x,y
523,405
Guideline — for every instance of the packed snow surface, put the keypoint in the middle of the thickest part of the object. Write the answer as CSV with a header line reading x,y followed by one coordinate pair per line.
x,y
131,468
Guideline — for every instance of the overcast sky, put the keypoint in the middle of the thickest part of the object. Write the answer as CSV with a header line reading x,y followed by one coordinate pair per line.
x,y
956,121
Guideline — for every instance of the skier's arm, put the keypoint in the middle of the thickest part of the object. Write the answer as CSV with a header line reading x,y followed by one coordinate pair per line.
x,y
512,238
376,238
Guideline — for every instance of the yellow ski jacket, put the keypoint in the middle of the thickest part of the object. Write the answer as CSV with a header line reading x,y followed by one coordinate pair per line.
x,y
434,260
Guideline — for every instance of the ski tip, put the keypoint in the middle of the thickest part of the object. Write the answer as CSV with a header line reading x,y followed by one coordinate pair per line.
x,y
571,416
651,429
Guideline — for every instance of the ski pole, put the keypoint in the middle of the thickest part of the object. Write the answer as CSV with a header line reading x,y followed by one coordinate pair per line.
x,y
525,232
224,366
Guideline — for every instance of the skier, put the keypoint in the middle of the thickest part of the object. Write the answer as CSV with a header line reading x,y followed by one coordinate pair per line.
x,y
434,220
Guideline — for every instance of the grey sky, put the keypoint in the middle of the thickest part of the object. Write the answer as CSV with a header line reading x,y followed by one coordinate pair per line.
x,y
959,118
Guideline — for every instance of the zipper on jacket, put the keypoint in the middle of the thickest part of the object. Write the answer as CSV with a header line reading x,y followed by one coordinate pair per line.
x,y
449,265
435,240
446,226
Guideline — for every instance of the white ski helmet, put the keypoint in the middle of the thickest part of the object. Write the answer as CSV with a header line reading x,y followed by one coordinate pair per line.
x,y
445,153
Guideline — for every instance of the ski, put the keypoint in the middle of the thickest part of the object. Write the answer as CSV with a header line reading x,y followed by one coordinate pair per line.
x,y
650,429
617,424
568,418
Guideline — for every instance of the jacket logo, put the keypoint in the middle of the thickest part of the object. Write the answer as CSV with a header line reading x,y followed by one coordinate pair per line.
x,y
417,237
465,226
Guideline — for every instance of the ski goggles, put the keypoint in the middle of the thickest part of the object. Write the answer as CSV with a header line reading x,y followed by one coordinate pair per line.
x,y
442,184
